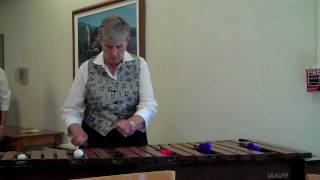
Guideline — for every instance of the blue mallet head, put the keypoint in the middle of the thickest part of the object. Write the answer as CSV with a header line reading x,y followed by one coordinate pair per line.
x,y
253,146
205,148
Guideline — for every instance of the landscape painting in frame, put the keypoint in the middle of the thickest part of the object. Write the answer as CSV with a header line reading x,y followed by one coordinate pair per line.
x,y
86,22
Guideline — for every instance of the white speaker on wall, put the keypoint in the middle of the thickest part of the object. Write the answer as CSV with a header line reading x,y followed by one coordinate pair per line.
x,y
22,75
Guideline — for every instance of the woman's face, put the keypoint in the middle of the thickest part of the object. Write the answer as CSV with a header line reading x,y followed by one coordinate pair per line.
x,y
113,50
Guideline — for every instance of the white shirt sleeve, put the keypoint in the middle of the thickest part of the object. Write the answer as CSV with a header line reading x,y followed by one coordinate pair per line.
x,y
73,108
147,107
5,93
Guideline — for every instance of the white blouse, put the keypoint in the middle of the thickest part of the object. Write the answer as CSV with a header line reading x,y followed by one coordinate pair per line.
x,y
5,93
74,106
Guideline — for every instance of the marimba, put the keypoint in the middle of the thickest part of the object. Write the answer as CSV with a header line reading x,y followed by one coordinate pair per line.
x,y
228,159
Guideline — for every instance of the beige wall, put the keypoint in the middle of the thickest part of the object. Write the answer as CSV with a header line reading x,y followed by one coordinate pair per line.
x,y
38,35
220,68
317,7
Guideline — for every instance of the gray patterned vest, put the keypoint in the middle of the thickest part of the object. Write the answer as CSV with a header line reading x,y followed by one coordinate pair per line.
x,y
108,100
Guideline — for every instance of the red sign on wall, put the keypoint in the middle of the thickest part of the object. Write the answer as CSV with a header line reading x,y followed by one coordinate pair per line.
x,y
313,79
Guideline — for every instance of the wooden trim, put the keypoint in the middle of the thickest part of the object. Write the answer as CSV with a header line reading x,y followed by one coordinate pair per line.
x,y
142,18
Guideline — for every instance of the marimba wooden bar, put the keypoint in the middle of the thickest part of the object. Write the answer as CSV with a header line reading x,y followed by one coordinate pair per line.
x,y
228,159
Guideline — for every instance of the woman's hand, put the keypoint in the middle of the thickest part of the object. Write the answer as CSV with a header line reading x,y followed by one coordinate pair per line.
x,y
78,136
125,127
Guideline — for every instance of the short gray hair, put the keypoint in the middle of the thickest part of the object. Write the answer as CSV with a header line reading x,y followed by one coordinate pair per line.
x,y
113,27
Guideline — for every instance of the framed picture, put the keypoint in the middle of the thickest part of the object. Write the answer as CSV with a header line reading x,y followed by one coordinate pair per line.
x,y
2,51
86,21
